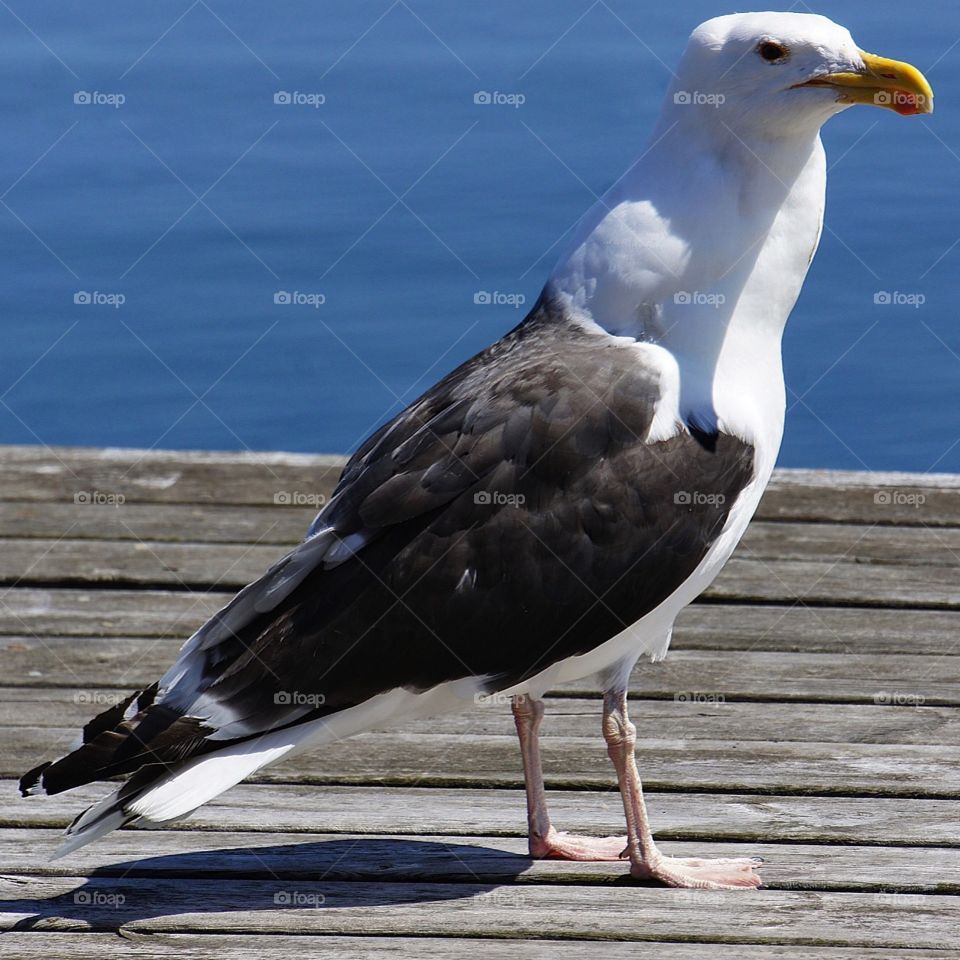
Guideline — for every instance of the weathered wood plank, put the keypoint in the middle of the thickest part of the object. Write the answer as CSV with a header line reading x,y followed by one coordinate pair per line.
x,y
753,674
847,496
700,676
193,946
296,808
159,476
797,628
440,858
31,473
193,525
157,522
90,612
840,583
70,562
818,563
685,719
853,543
78,662
721,699
915,770
637,912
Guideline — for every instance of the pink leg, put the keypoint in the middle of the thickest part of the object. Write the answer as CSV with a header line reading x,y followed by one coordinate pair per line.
x,y
646,861
545,842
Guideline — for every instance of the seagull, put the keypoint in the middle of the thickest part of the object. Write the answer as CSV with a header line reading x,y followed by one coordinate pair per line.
x,y
543,512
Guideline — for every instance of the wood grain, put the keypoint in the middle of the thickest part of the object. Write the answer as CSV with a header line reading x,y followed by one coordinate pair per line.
x,y
194,946
809,712
697,676
639,913
892,770
466,811
813,563
452,859
684,719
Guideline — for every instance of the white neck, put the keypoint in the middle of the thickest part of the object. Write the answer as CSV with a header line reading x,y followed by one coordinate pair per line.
x,y
702,248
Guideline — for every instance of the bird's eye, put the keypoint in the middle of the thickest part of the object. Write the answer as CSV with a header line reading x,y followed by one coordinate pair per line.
x,y
772,52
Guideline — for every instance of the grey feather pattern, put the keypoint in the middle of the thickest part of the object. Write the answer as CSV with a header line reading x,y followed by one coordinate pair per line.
x,y
514,515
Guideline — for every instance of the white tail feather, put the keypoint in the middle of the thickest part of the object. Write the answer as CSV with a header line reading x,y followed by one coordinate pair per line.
x,y
102,818
194,783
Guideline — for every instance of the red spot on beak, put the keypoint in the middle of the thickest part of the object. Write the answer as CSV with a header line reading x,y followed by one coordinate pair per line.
x,y
906,104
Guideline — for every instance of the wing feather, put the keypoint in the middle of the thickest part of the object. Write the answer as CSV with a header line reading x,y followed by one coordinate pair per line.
x,y
514,515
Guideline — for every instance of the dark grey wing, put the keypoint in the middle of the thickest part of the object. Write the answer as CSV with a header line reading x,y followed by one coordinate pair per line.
x,y
513,516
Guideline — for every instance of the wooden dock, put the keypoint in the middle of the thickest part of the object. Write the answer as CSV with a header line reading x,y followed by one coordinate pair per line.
x,y
809,712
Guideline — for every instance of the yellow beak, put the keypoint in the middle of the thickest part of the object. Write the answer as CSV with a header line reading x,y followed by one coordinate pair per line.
x,y
884,83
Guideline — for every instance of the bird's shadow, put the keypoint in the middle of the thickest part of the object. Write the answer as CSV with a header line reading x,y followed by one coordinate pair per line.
x,y
329,874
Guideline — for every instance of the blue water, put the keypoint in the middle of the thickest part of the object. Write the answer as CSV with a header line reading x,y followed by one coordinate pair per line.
x,y
298,198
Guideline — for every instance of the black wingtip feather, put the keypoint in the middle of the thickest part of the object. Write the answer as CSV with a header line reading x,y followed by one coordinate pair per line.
x,y
31,780
112,717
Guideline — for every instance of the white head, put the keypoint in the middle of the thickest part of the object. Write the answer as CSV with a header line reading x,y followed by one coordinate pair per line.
x,y
776,74
703,244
